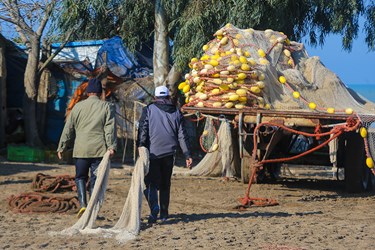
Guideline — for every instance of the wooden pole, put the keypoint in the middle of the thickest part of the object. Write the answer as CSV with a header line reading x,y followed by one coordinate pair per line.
x,y
3,92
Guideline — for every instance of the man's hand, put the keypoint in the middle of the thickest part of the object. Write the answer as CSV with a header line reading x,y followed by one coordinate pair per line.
x,y
189,162
59,155
111,153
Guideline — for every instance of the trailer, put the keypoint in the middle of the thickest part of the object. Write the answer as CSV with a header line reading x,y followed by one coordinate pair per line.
x,y
270,135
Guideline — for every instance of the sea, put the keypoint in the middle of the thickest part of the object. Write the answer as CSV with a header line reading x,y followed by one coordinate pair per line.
x,y
365,90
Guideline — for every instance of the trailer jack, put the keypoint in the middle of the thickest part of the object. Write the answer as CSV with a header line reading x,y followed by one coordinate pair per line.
x,y
247,201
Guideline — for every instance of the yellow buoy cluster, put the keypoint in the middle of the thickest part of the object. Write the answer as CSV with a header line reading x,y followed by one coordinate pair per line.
x,y
231,71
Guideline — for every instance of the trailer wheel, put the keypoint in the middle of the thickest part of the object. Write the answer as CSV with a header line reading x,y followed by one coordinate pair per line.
x,y
357,174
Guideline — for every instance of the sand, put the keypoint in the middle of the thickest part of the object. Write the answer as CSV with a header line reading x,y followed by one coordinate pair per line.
x,y
312,214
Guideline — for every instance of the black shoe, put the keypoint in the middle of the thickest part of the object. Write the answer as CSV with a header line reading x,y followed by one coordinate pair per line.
x,y
151,219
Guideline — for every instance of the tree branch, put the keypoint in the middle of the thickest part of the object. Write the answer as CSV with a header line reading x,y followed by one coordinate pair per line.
x,y
47,15
57,51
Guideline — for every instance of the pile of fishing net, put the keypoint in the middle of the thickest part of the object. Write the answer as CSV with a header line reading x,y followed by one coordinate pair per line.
x,y
247,68
244,69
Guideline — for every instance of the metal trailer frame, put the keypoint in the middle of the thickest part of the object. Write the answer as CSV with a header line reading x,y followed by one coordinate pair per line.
x,y
351,149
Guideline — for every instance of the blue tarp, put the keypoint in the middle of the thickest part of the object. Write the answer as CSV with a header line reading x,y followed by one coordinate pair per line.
x,y
120,61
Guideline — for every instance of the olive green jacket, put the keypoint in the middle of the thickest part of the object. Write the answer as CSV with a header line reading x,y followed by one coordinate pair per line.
x,y
91,124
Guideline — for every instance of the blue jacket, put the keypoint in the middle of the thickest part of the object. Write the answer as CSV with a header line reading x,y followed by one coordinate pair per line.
x,y
161,130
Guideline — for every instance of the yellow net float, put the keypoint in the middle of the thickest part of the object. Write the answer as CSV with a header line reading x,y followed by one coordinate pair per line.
x,y
215,147
261,53
282,79
243,59
241,76
229,105
363,132
251,61
312,105
216,104
182,85
296,94
369,162
245,67
186,88
330,110
241,92
349,111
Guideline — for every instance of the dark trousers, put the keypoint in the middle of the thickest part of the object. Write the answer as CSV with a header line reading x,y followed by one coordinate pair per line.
x,y
159,176
83,167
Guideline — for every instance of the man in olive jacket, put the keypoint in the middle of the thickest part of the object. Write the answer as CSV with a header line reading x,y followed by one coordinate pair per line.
x,y
161,130
91,125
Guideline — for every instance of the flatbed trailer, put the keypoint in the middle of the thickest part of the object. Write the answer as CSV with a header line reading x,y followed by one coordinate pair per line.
x,y
275,143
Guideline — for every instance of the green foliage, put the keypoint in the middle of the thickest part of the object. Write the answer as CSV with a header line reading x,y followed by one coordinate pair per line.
x,y
192,23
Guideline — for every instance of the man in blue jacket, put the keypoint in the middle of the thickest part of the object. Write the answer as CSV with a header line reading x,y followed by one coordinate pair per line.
x,y
161,130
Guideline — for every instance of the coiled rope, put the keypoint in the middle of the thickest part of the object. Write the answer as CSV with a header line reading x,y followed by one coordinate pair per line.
x,y
41,202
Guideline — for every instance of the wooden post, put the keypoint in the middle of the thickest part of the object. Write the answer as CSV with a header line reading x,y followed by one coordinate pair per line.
x,y
3,92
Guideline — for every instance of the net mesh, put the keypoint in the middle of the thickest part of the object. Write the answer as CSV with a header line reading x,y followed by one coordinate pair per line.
x,y
246,68
128,225
251,68
219,161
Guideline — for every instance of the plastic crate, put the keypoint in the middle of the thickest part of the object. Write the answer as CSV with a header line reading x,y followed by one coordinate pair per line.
x,y
25,154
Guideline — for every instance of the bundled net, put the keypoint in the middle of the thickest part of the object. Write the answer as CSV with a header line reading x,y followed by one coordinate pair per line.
x,y
246,68
219,160
249,69
128,225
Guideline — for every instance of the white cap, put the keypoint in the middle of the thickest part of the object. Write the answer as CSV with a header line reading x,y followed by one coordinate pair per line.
x,y
161,91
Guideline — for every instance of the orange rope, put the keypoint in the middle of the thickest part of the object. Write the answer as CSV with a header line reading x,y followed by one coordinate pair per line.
x,y
351,125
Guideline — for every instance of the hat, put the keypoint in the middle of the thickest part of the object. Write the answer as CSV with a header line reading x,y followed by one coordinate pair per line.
x,y
161,91
95,86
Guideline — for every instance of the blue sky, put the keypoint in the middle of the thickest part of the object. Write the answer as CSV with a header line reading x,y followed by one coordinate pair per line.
x,y
355,67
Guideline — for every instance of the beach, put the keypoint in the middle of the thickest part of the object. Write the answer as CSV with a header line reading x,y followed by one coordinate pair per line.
x,y
313,213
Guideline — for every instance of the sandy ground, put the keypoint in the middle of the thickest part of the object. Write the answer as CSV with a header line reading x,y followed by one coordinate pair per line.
x,y
313,214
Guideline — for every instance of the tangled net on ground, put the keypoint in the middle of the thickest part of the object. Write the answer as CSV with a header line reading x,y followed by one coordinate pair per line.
x,y
42,203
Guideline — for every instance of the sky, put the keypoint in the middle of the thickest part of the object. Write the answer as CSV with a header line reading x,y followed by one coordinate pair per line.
x,y
354,67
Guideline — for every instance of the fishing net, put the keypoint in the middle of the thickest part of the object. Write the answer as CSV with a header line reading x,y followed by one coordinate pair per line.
x,y
244,69
219,160
128,225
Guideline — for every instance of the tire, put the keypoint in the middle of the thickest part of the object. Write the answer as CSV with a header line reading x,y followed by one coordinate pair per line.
x,y
357,174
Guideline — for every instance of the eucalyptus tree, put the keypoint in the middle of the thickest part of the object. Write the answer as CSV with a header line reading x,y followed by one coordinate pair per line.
x,y
30,19
191,23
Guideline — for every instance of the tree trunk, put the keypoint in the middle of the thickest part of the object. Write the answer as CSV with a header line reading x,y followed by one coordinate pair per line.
x,y
29,105
174,76
3,97
42,99
161,45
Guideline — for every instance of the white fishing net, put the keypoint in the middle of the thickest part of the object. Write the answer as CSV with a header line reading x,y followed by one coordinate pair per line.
x,y
128,225
244,69
219,161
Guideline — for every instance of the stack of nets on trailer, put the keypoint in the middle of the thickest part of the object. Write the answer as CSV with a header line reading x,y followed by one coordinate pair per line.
x,y
250,69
